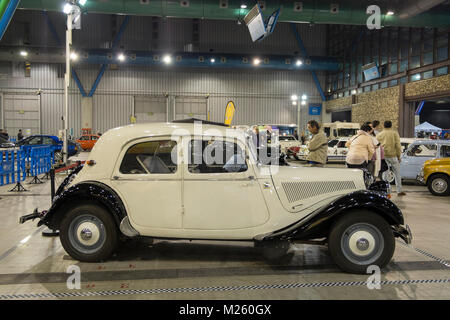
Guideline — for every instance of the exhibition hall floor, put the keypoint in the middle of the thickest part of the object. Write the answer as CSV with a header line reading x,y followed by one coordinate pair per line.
x,y
35,267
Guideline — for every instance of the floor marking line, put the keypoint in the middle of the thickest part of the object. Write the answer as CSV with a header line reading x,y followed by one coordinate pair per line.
x,y
11,250
209,289
427,254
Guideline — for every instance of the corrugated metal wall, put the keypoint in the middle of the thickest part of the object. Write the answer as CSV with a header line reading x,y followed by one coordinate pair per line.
x,y
260,95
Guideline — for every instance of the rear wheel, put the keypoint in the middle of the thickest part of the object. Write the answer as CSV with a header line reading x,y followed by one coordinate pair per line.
x,y
360,239
88,233
388,176
438,185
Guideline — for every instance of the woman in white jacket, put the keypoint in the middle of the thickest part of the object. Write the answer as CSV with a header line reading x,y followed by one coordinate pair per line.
x,y
361,148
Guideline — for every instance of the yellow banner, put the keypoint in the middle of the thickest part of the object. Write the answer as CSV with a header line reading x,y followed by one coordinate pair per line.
x,y
229,113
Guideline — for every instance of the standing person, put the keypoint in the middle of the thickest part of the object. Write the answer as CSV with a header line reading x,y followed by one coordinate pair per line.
x,y
375,162
361,148
295,134
376,127
390,140
318,145
20,135
5,132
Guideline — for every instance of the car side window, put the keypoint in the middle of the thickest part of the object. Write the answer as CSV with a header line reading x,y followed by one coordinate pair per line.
x,y
47,140
35,141
94,138
445,151
84,138
216,156
423,150
151,157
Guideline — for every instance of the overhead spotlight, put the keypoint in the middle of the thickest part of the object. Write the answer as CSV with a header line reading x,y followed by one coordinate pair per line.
x,y
73,56
256,61
304,97
353,91
294,103
167,59
390,13
82,2
417,77
67,8
23,53
299,62
212,60
243,6
121,57
303,103
294,97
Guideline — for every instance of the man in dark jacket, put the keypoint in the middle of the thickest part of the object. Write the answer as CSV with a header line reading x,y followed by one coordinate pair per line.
x,y
19,135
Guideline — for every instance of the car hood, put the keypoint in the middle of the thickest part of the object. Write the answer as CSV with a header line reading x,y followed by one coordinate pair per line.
x,y
438,162
301,187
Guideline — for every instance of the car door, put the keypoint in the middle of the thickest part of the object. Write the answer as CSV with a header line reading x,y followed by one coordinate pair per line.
x,y
414,158
217,194
148,180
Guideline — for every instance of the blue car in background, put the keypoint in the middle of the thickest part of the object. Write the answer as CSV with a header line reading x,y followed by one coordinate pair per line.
x,y
47,140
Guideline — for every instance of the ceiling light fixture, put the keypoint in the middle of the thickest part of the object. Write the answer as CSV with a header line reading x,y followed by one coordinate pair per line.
x,y
294,103
304,97
256,61
299,62
23,53
167,59
73,56
294,97
82,2
390,13
67,8
243,6
121,57
213,60
303,103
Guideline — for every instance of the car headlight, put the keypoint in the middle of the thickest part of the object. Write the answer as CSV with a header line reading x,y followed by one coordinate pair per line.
x,y
368,178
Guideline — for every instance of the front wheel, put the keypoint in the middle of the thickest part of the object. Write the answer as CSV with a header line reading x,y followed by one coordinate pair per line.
x,y
438,185
88,233
360,239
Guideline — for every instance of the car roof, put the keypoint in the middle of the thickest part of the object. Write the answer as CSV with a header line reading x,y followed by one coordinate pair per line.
x,y
431,141
133,131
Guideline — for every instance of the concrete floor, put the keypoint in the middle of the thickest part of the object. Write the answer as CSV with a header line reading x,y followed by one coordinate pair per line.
x,y
31,265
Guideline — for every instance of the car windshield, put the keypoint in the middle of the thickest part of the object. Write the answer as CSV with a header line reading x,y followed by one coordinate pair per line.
x,y
347,132
332,143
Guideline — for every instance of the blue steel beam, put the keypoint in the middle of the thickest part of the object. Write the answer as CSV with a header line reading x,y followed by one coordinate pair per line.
x,y
114,44
7,16
52,28
305,54
78,82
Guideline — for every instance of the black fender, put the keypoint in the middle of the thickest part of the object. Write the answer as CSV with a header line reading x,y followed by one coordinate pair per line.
x,y
91,191
317,224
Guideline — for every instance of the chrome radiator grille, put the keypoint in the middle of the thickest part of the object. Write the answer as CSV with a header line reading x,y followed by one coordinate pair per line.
x,y
296,191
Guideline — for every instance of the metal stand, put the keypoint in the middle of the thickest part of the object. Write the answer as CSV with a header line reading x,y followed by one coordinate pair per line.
x,y
46,176
50,233
36,180
18,188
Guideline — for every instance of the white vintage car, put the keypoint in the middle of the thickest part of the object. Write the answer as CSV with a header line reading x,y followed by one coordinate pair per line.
x,y
150,180
337,151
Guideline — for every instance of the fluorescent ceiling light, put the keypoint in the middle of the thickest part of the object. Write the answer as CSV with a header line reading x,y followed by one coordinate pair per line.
x,y
23,53
294,97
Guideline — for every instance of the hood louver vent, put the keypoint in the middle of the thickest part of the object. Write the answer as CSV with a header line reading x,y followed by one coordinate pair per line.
x,y
296,191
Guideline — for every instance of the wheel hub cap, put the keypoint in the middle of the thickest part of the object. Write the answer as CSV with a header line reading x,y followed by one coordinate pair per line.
x,y
439,185
88,233
361,243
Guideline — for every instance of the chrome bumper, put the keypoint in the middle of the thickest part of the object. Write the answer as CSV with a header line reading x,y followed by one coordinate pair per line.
x,y
403,232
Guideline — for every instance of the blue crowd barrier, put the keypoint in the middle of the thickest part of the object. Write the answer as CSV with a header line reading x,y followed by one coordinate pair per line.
x,y
40,160
12,167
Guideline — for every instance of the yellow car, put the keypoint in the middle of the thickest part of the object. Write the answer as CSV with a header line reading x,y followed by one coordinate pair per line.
x,y
436,175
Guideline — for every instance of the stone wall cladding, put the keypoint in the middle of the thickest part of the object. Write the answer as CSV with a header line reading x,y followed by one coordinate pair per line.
x,y
428,86
383,104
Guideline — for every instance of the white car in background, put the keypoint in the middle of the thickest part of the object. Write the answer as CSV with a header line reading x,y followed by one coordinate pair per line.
x,y
287,142
337,149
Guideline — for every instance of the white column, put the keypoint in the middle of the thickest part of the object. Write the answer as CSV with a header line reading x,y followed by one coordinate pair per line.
x,y
67,84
